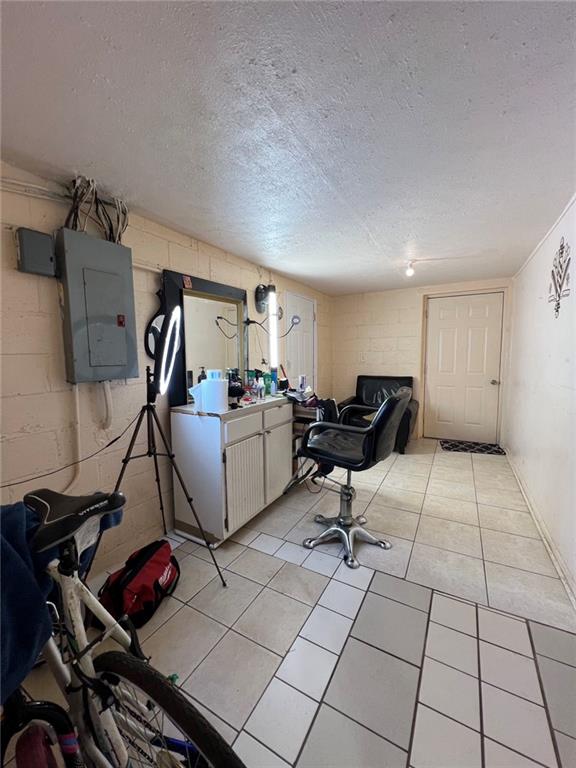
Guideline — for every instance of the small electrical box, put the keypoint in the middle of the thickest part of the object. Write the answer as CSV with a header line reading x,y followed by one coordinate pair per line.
x,y
35,252
98,302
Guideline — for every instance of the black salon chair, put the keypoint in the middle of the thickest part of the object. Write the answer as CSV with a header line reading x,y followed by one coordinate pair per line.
x,y
371,392
354,449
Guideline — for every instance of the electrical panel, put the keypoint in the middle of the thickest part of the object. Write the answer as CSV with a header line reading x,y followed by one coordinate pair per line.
x,y
98,305
35,252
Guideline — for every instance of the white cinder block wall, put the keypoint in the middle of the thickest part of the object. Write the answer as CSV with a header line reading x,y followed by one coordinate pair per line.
x,y
383,333
38,407
540,412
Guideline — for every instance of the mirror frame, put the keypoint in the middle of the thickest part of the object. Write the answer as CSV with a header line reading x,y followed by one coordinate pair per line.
x,y
175,285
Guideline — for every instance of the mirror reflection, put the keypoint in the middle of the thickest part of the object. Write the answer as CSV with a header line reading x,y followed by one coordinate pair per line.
x,y
213,331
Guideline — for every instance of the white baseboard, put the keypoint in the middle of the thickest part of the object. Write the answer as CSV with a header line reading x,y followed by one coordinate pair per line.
x,y
566,577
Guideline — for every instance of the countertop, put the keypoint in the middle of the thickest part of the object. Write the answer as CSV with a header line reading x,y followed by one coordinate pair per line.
x,y
257,405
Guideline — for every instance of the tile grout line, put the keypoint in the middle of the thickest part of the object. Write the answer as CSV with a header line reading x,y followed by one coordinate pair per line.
x,y
451,718
262,744
511,693
544,698
490,738
480,702
558,661
281,656
396,600
328,609
241,728
377,648
293,687
330,578
517,617
348,716
383,533
228,630
557,730
506,533
366,727
516,752
321,702
416,532
483,570
475,557
508,614
418,685
488,642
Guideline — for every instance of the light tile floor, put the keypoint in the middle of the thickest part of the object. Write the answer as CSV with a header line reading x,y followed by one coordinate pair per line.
x,y
458,523
448,651
393,674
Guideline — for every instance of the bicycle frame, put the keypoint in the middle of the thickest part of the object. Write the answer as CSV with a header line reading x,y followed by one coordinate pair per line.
x,y
70,675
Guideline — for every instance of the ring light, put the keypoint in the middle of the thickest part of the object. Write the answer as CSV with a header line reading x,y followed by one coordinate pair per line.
x,y
166,351
157,384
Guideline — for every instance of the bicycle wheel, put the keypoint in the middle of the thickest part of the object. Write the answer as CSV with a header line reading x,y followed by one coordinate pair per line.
x,y
159,725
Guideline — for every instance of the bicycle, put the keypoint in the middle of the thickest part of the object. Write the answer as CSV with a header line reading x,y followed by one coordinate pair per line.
x,y
121,712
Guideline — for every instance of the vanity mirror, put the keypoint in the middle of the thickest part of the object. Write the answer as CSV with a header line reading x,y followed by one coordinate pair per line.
x,y
214,334
211,333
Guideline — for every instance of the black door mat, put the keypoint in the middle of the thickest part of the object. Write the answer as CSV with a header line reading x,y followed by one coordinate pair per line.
x,y
466,446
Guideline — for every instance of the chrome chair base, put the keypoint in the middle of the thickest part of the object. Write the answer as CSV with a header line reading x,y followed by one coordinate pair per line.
x,y
347,529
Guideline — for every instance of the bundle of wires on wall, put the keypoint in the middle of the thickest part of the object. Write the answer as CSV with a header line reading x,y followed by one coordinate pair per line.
x,y
88,204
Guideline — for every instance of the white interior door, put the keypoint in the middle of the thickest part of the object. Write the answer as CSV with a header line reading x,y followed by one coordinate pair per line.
x,y
301,341
462,381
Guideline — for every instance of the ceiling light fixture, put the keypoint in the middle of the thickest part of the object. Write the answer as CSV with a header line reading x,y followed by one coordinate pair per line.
x,y
409,269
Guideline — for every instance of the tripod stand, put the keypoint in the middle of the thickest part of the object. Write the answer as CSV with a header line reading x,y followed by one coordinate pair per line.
x,y
148,411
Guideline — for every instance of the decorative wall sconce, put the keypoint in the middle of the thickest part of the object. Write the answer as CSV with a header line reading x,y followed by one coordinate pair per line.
x,y
266,298
261,298
559,287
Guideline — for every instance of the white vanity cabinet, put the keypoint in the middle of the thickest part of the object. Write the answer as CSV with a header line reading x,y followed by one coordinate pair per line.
x,y
234,464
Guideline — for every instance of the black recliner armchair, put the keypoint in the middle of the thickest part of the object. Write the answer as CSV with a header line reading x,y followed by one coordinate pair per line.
x,y
371,392
354,449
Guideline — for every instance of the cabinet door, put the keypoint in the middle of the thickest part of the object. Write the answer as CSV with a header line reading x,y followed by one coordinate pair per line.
x,y
244,481
278,453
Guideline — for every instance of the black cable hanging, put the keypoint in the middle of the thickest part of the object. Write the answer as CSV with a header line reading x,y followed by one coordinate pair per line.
x,y
222,331
85,199
73,463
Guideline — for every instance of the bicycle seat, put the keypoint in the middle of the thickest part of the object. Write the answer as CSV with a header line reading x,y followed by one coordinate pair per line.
x,y
61,515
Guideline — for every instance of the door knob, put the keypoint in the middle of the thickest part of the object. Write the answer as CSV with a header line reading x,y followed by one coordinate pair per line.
x,y
494,381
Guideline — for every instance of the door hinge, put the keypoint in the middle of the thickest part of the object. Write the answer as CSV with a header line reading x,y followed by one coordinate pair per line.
x,y
223,457
226,521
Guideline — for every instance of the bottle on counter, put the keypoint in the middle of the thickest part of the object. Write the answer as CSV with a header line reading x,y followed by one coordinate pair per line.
x,y
260,388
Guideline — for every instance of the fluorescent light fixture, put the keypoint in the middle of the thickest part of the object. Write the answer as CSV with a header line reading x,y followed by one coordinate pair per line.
x,y
409,269
273,325
169,349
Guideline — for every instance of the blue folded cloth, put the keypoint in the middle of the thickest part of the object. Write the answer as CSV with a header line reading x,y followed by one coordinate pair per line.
x,y
25,585
26,624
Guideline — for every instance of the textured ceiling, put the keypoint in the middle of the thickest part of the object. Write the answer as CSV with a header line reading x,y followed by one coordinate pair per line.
x,y
328,141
